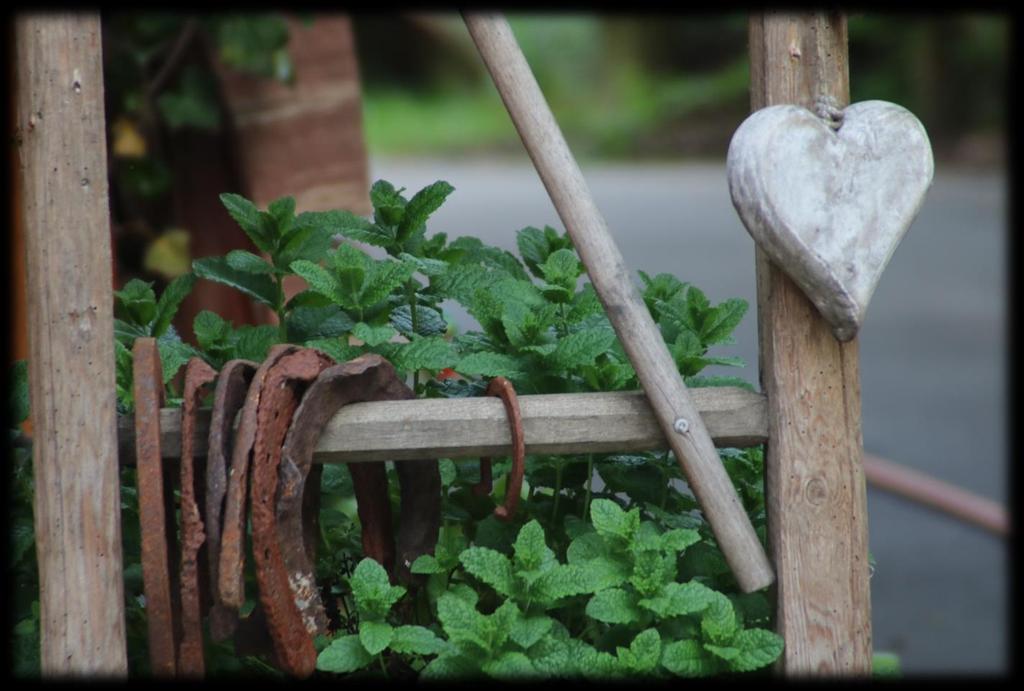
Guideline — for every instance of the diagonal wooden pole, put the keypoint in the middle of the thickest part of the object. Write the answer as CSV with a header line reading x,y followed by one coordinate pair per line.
x,y
63,153
639,335
814,486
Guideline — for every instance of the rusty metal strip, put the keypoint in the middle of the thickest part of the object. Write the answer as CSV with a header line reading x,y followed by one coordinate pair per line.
x,y
228,397
285,382
231,583
198,375
503,389
148,391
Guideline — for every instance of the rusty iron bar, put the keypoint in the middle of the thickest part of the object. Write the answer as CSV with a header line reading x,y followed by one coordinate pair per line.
x,y
228,397
503,389
148,391
285,382
198,375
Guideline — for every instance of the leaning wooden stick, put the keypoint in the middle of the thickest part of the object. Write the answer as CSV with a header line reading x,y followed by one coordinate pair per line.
x,y
640,337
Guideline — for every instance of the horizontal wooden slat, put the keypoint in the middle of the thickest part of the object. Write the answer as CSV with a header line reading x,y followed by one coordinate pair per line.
x,y
473,427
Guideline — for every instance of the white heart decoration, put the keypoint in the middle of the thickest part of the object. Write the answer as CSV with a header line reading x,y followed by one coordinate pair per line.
x,y
830,206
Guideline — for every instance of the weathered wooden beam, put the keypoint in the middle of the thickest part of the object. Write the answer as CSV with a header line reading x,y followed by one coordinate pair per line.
x,y
474,427
671,401
814,485
63,153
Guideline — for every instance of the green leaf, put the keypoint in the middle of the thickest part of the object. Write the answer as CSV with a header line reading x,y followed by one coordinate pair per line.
x,y
18,400
388,203
248,263
337,348
259,287
167,306
613,606
489,365
609,519
426,564
254,342
491,567
371,588
720,322
306,323
679,539
644,652
248,217
536,245
510,665
192,102
321,281
126,332
581,348
173,356
719,623
651,570
136,302
562,267
526,631
885,665
343,655
374,635
382,279
687,659
465,627
429,322
676,599
373,335
210,329
757,648
530,549
453,665
358,228
283,212
561,581
717,380
421,206
416,640
429,353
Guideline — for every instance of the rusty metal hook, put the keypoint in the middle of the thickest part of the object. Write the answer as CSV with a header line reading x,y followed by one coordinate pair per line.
x,y
503,389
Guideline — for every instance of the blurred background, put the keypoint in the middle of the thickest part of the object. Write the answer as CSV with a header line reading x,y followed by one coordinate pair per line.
x,y
317,106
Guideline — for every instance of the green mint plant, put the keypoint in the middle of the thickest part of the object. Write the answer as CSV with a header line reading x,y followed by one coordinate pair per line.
x,y
374,597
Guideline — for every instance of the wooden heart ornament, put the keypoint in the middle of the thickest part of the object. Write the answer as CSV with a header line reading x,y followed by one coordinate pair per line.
x,y
830,204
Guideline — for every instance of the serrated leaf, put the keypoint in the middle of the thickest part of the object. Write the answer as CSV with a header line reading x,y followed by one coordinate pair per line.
x,y
528,630
757,648
644,652
167,306
337,348
388,203
254,342
426,564
210,329
421,206
319,280
510,665
718,622
491,567
248,217
343,655
382,278
374,635
429,353
259,287
136,302
173,356
465,627
561,581
609,519
721,320
613,606
371,588
678,539
429,321
489,365
562,267
529,548
361,230
247,262
308,323
687,659
373,335
416,640
677,599
581,348
453,665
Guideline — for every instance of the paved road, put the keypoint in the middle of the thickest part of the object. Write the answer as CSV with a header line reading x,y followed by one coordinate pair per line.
x,y
933,364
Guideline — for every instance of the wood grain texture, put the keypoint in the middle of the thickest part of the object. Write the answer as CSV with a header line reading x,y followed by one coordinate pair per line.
x,y
62,146
474,427
614,285
815,493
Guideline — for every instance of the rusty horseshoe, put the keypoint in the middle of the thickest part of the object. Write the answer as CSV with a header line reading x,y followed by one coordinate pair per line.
x,y
503,389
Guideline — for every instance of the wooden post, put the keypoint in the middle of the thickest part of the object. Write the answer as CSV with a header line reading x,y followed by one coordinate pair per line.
x,y
817,504
63,154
